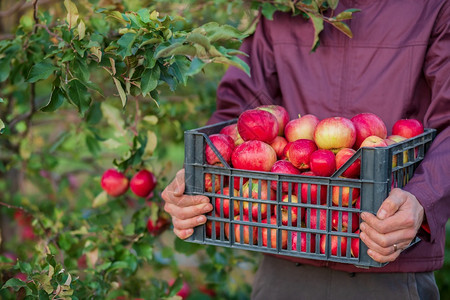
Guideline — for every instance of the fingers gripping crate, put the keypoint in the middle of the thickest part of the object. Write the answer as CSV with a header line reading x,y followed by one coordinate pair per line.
x,y
296,215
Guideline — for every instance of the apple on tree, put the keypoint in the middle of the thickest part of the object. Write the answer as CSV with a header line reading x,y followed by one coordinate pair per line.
x,y
143,183
114,183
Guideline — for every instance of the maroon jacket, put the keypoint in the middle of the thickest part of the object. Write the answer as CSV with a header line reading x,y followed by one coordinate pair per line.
x,y
397,66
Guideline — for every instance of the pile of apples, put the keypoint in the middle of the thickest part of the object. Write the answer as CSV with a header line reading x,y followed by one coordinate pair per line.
x,y
265,139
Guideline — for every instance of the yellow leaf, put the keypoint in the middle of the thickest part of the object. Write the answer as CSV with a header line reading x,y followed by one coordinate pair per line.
x,y
81,30
100,200
72,13
152,120
123,96
152,141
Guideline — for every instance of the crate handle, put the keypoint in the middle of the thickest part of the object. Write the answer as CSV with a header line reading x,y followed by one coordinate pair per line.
x,y
214,149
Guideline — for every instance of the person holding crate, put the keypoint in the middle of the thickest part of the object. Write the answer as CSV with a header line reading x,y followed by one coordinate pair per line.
x,y
395,70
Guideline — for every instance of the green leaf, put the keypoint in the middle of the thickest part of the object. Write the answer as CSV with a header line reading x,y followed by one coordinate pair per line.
x,y
177,49
100,200
79,95
346,14
5,69
195,67
341,26
175,287
14,283
125,44
150,79
268,10
56,100
2,126
122,95
333,4
41,71
318,27
233,61
199,39
144,14
186,247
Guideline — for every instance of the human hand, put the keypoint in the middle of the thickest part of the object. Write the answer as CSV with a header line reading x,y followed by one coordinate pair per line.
x,y
186,211
393,228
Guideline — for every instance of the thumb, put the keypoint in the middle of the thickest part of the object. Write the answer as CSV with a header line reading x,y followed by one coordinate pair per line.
x,y
391,204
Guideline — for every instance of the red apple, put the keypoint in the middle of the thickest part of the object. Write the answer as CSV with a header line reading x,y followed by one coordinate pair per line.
x,y
286,150
335,241
283,167
143,183
257,124
290,210
259,190
393,139
278,145
299,153
273,235
396,138
354,247
322,162
353,171
231,130
301,128
209,227
407,128
226,203
302,239
311,190
161,224
280,113
237,182
254,155
345,195
224,144
358,203
335,133
373,141
114,183
209,182
244,230
318,218
344,221
367,124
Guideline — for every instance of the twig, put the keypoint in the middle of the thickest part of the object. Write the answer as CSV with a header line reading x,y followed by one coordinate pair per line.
x,y
49,31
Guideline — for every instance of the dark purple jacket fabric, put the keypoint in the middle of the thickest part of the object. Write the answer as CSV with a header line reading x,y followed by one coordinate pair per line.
x,y
397,65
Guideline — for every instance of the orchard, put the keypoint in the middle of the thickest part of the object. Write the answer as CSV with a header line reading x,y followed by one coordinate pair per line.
x,y
95,96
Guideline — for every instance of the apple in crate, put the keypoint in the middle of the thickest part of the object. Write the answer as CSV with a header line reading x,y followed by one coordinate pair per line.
x,y
209,228
345,190
283,167
367,124
312,191
302,239
273,235
254,155
231,130
344,221
373,141
280,113
354,247
242,229
257,124
334,241
301,128
278,144
299,153
322,162
209,182
223,204
354,170
290,210
318,218
407,128
259,190
335,133
224,144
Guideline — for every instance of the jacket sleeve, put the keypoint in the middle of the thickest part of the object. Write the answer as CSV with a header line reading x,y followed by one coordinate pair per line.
x,y
431,182
237,91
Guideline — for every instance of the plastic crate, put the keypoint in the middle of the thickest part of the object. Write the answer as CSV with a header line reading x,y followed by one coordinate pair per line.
x,y
378,176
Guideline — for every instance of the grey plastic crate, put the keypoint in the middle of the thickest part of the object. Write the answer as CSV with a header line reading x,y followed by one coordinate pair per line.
x,y
378,176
